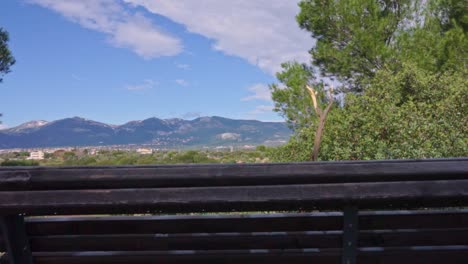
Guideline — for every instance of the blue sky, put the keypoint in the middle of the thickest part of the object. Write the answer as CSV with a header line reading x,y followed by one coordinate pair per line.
x,y
120,60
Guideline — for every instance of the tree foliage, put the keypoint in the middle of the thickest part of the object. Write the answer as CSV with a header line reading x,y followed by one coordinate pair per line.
x,y
354,38
6,58
411,114
405,63
291,98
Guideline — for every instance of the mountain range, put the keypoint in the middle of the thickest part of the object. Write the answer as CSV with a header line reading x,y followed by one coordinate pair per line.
x,y
164,133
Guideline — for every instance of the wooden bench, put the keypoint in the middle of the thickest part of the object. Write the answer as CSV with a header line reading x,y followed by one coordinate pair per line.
x,y
405,211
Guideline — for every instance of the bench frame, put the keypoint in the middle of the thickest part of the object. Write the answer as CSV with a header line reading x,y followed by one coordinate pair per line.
x,y
416,178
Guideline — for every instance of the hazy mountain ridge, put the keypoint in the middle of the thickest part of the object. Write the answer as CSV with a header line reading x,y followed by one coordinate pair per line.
x,y
202,131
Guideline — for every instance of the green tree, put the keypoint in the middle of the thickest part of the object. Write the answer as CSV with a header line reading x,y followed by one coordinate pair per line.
x,y
291,98
6,58
302,101
412,114
439,43
355,38
406,63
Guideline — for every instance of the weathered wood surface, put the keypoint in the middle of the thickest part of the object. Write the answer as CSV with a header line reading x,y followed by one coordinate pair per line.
x,y
50,178
318,221
403,255
73,225
245,187
240,198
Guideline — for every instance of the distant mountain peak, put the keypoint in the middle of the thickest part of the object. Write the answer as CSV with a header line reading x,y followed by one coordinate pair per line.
x,y
35,123
78,119
26,126
160,133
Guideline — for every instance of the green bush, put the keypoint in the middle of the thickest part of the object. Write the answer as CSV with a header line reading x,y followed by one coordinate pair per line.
x,y
19,163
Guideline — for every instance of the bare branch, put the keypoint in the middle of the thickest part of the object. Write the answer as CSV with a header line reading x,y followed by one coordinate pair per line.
x,y
313,95
330,93
330,102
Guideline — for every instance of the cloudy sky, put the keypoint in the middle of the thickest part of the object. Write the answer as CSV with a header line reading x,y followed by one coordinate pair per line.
x,y
120,60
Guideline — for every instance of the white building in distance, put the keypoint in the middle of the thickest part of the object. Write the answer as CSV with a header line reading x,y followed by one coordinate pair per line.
x,y
144,151
36,155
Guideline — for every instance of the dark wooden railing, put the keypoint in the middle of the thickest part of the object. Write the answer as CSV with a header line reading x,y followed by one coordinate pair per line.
x,y
361,218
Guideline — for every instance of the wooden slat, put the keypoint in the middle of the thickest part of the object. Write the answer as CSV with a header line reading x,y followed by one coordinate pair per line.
x,y
417,219
413,237
272,240
38,226
326,256
401,255
48,178
241,198
196,241
318,221
455,254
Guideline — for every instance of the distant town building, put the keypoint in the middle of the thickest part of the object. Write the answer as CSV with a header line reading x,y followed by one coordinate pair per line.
x,y
248,147
36,155
144,151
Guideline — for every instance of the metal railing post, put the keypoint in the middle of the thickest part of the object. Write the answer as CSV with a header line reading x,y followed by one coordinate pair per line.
x,y
350,234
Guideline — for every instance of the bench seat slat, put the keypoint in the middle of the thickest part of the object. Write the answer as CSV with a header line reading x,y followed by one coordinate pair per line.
x,y
182,224
277,240
318,221
373,238
241,198
193,256
417,219
404,255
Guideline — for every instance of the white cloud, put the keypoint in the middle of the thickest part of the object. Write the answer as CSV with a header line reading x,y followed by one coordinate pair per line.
x,y
264,32
146,85
3,126
76,77
259,91
261,109
123,28
183,66
191,115
182,82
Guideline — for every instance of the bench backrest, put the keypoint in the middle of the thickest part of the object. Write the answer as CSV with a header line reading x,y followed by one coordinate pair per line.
x,y
383,237
353,234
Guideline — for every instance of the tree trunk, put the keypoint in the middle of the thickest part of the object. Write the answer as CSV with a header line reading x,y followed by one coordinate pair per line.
x,y
318,138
